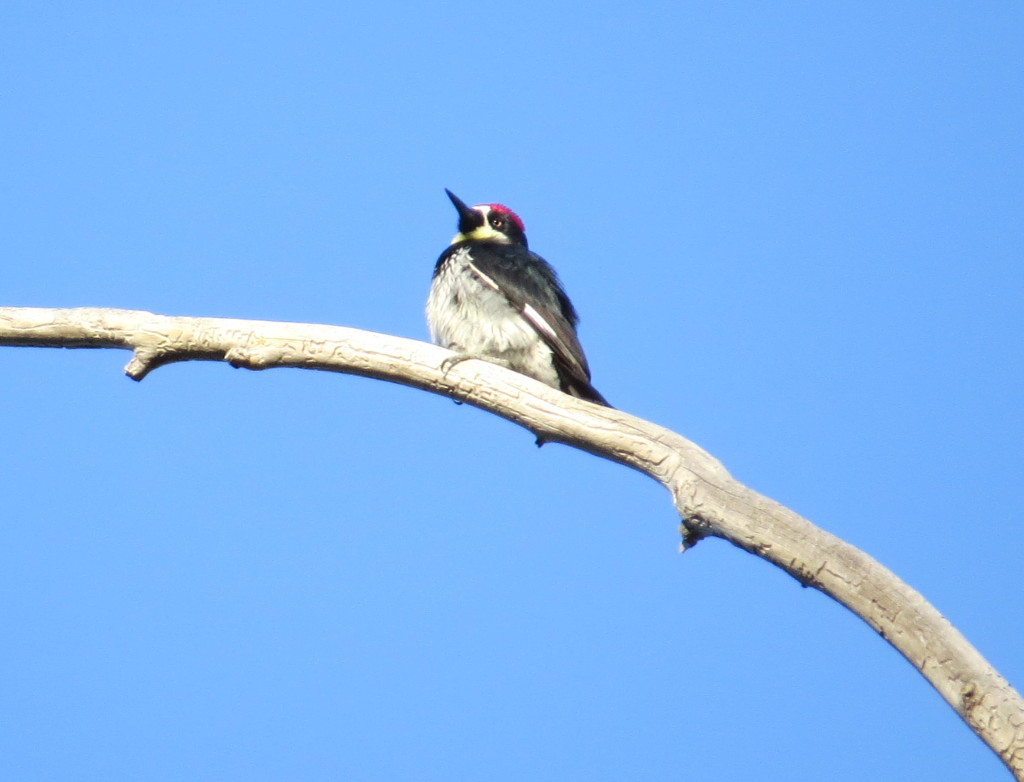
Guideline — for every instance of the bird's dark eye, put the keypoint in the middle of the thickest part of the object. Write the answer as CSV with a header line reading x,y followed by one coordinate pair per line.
x,y
497,222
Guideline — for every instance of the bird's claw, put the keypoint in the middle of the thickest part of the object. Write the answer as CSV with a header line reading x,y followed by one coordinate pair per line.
x,y
449,363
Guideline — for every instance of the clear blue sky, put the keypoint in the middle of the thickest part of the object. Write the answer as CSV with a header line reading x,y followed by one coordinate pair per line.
x,y
794,233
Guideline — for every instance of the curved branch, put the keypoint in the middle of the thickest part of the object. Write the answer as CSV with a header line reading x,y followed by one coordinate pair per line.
x,y
709,501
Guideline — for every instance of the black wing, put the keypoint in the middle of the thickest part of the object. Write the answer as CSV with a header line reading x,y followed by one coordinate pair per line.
x,y
533,288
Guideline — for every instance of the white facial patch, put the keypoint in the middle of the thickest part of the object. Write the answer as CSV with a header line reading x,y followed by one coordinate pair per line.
x,y
485,232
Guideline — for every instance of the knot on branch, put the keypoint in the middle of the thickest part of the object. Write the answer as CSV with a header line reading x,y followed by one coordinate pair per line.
x,y
692,530
144,361
253,357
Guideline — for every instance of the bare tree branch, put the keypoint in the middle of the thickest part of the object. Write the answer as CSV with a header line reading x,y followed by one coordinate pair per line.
x,y
709,501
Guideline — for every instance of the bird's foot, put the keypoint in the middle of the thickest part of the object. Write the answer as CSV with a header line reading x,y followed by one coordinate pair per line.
x,y
449,363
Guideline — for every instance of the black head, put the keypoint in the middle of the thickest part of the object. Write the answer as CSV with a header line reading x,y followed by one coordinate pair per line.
x,y
487,222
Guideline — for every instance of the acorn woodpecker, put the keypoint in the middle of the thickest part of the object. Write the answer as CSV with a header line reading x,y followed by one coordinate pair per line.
x,y
492,298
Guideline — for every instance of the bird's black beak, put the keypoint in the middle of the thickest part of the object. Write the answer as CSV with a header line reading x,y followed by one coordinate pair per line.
x,y
469,219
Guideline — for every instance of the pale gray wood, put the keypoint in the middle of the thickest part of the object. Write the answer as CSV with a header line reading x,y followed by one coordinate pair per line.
x,y
709,501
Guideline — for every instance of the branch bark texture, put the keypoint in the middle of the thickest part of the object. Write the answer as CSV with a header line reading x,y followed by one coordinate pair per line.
x,y
709,501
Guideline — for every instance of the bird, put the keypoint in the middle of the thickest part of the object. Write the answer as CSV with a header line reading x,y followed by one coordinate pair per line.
x,y
492,298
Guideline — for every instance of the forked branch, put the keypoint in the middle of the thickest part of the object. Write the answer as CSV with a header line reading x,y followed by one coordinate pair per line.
x,y
709,501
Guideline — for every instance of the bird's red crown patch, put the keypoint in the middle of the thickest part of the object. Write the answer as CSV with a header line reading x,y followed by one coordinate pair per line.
x,y
509,214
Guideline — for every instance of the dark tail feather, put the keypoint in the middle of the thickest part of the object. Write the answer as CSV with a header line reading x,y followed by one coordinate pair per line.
x,y
587,392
